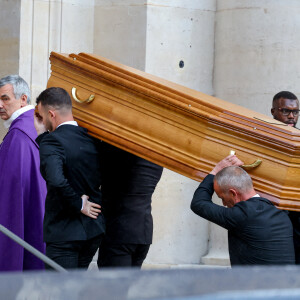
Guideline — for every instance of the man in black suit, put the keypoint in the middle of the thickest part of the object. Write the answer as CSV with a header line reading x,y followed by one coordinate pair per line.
x,y
285,108
127,187
258,232
73,225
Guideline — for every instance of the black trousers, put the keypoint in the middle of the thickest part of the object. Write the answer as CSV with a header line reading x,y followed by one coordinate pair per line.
x,y
123,255
73,254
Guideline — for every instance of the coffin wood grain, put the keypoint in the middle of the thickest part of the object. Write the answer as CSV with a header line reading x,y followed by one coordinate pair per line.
x,y
179,128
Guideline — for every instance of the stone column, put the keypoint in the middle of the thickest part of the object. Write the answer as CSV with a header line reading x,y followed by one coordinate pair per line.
x,y
10,37
180,42
120,31
180,48
52,25
10,42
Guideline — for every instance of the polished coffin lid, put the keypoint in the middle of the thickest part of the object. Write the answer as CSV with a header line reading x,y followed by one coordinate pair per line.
x,y
176,127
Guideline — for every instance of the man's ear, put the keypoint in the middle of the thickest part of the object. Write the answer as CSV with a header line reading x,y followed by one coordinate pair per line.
x,y
232,192
235,195
272,111
52,113
23,99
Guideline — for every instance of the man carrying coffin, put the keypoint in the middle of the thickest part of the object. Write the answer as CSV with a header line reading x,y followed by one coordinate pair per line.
x,y
285,108
70,164
258,232
127,186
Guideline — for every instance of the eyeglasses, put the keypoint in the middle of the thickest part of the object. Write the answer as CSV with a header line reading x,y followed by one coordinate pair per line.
x,y
286,111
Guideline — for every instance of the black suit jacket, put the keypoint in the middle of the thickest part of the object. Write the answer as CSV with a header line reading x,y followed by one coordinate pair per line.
x,y
258,232
70,166
127,187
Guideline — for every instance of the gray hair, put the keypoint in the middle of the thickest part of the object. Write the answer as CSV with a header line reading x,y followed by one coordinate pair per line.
x,y
234,177
20,86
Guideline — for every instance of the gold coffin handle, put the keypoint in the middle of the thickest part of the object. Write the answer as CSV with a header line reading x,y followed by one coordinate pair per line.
x,y
88,100
251,166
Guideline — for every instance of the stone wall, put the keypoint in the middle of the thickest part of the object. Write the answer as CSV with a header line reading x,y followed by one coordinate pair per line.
x,y
256,51
121,31
9,41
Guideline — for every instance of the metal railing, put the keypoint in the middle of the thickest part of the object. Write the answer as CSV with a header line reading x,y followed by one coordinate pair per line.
x,y
32,250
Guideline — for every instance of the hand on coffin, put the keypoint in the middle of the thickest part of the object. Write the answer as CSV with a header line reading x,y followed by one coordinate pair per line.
x,y
38,123
230,160
90,209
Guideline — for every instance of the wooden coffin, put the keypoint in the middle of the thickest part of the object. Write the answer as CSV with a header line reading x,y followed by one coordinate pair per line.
x,y
177,127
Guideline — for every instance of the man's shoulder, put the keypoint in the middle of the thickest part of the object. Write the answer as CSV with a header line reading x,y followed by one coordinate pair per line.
x,y
19,135
25,123
67,130
251,209
261,200
17,141
49,142
67,136
254,201
25,119
258,205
